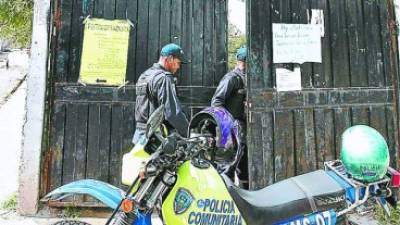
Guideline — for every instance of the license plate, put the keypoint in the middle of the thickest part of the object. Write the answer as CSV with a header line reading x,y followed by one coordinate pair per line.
x,y
320,218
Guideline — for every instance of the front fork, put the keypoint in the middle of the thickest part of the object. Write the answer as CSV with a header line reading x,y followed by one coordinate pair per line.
x,y
144,200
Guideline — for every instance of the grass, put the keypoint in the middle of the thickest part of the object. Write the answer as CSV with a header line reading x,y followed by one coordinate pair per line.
x,y
71,212
383,219
10,203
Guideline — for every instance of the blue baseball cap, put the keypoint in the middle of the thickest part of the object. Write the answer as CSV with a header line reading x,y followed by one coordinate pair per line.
x,y
241,54
174,50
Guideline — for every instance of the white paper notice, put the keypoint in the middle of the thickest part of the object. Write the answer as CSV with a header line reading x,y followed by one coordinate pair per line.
x,y
296,43
316,16
287,80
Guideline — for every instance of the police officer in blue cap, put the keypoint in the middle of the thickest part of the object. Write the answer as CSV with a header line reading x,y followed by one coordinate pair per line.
x,y
155,87
231,94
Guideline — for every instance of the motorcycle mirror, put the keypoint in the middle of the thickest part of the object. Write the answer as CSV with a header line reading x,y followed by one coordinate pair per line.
x,y
155,120
169,145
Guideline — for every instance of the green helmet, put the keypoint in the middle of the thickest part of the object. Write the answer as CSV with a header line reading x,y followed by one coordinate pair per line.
x,y
364,153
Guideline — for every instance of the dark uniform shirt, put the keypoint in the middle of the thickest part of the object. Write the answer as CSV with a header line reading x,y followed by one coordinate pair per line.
x,y
231,94
155,87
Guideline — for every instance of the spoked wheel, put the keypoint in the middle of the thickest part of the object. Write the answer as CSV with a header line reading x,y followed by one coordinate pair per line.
x,y
70,222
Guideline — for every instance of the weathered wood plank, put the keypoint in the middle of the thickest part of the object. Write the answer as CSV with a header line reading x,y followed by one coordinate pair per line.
x,y
57,146
339,43
256,49
392,140
378,119
197,43
257,172
267,148
121,7
93,146
357,46
342,122
176,21
256,33
129,127
88,7
76,41
116,145
153,48
104,141
63,27
221,48
165,22
69,143
142,36
304,141
360,115
385,43
132,15
109,9
99,8
186,44
324,137
81,142
374,54
284,145
208,64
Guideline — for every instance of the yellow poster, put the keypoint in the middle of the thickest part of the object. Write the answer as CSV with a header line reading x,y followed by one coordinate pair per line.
x,y
104,52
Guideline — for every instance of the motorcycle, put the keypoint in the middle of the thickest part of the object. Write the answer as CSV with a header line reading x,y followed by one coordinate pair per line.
x,y
180,182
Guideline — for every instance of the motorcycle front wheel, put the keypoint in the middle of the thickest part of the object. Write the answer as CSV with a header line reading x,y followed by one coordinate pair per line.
x,y
70,222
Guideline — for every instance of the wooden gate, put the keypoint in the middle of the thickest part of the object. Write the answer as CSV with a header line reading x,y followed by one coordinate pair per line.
x,y
90,127
294,132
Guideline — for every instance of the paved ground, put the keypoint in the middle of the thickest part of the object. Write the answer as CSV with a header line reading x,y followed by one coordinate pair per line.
x,y
12,113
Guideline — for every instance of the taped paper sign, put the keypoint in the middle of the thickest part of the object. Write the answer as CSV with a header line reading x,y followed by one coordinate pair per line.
x,y
296,43
287,80
104,52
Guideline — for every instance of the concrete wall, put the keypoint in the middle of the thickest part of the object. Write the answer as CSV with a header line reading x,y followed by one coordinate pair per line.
x,y
29,174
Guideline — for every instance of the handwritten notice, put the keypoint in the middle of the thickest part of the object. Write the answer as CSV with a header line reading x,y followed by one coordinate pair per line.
x,y
296,43
104,52
287,80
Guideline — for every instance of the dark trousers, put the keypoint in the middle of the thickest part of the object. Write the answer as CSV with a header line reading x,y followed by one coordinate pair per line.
x,y
242,170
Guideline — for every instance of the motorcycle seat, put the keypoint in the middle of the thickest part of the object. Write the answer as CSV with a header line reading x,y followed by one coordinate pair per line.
x,y
296,196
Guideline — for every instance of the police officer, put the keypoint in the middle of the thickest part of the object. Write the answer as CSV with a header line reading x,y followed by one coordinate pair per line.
x,y
231,94
155,87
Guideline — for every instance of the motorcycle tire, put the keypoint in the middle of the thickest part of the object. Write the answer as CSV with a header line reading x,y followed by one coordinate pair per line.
x,y
70,222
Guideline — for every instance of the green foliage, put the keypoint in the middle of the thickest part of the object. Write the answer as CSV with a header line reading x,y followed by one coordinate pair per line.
x,y
71,212
383,219
234,43
16,21
10,203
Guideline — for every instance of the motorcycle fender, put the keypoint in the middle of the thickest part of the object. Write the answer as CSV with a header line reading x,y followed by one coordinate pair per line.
x,y
110,195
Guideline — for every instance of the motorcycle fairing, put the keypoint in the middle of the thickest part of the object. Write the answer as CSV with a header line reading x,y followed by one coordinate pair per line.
x,y
110,195
200,197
